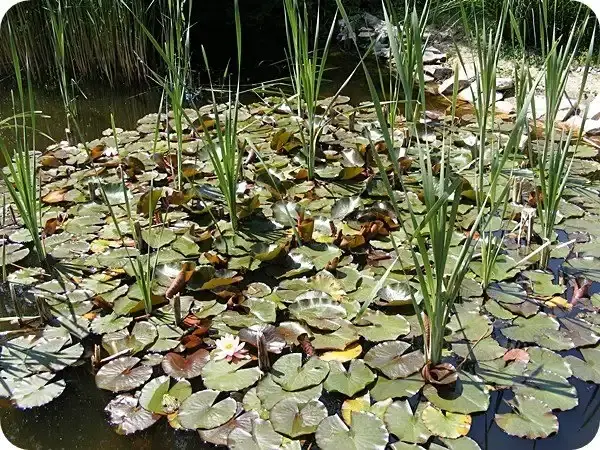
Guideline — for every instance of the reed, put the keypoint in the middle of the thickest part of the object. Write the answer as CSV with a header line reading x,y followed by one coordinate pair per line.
x,y
21,160
552,156
224,147
103,40
429,237
307,62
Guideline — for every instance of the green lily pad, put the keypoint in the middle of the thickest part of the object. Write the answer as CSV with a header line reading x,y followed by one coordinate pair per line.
x,y
530,419
544,359
289,372
388,357
295,419
446,425
542,283
486,350
400,388
588,368
555,391
320,311
159,397
377,326
12,253
142,335
219,435
36,390
540,329
339,339
225,376
344,207
350,381
367,432
199,410
469,395
406,425
109,323
262,436
270,393
158,237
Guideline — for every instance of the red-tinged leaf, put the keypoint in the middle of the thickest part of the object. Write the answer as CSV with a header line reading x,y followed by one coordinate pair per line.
x,y
185,367
516,354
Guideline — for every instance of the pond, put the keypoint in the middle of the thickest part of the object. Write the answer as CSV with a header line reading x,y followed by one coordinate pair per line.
x,y
266,253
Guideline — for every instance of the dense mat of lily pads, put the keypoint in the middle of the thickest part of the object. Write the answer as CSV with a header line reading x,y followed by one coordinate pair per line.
x,y
257,345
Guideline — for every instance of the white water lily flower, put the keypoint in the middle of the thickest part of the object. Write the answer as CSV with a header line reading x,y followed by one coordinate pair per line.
x,y
229,347
110,152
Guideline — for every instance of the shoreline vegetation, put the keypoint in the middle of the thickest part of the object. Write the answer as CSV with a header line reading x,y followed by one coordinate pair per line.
x,y
299,270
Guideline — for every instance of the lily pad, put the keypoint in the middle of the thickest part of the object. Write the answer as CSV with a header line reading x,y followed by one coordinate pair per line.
x,y
400,388
530,419
446,425
540,329
128,416
389,359
377,326
350,381
295,419
406,425
367,432
289,372
469,395
191,366
588,368
199,410
122,375
225,376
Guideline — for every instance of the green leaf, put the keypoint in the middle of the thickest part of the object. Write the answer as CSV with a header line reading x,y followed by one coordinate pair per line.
x,y
350,381
588,368
389,359
377,326
540,329
405,425
400,388
158,237
270,393
225,376
470,395
261,437
109,323
446,425
295,419
530,419
36,390
367,432
289,372
199,410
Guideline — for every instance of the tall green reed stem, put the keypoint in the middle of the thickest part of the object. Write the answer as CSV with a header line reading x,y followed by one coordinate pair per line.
x,y
21,180
307,63
440,277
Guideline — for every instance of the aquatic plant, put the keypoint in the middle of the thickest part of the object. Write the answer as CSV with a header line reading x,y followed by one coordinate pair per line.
x,y
225,148
307,62
550,156
114,58
21,179
406,38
